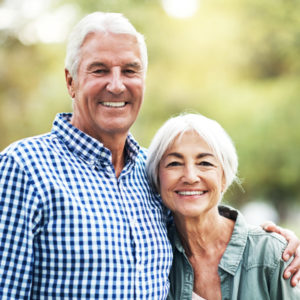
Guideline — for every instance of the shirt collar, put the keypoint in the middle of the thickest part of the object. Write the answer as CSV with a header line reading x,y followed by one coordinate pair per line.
x,y
85,146
175,239
234,252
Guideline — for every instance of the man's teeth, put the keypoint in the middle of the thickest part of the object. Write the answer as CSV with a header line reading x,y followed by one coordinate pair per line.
x,y
190,193
114,104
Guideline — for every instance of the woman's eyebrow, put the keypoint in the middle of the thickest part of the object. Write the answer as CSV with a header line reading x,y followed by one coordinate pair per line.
x,y
175,154
179,155
201,155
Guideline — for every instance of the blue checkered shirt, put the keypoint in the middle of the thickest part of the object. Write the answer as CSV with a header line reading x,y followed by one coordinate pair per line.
x,y
69,229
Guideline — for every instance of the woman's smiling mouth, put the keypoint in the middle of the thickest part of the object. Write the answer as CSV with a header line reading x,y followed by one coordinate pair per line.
x,y
190,193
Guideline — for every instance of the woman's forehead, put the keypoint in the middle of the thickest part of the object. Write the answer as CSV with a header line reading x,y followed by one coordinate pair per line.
x,y
189,142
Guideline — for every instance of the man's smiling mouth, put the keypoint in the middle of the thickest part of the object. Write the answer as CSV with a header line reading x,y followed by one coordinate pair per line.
x,y
113,104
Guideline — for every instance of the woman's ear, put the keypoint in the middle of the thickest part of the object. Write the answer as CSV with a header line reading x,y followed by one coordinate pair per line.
x,y
223,182
157,187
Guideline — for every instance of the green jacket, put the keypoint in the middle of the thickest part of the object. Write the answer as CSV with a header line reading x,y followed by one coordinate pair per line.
x,y
251,267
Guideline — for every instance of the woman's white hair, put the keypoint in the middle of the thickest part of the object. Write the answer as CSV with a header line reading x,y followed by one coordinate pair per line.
x,y
100,22
212,133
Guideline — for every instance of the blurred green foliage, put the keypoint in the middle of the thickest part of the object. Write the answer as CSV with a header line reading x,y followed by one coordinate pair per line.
x,y
237,61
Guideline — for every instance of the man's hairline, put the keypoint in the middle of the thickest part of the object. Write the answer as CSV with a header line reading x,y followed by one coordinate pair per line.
x,y
106,31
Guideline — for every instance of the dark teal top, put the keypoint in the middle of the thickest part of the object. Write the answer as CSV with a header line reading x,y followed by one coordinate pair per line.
x,y
251,266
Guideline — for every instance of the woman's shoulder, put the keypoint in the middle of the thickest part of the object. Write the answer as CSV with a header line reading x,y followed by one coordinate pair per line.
x,y
257,247
259,238
263,248
257,233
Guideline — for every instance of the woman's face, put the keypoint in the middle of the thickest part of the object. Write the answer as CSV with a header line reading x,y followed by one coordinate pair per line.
x,y
191,177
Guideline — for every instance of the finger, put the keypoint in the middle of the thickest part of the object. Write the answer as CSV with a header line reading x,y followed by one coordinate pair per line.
x,y
293,269
270,226
295,279
292,247
267,223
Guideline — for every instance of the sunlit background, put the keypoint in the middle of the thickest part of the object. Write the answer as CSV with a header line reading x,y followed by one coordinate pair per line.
x,y
235,61
180,8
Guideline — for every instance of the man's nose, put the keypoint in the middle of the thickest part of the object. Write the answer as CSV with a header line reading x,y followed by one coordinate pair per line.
x,y
191,175
116,85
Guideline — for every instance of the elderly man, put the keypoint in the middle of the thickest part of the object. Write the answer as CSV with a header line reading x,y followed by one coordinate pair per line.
x,y
78,218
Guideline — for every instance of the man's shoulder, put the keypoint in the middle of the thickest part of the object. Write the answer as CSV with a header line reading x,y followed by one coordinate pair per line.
x,y
23,147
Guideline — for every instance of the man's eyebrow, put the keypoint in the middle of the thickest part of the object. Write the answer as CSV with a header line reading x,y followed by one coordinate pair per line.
x,y
134,65
96,65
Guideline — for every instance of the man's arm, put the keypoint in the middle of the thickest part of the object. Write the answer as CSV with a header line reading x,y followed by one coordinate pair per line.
x,y
292,249
16,231
280,289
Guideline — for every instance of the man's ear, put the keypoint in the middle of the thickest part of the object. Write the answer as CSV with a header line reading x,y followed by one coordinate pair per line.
x,y
70,83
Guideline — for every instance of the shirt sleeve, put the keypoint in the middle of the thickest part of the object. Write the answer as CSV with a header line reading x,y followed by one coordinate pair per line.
x,y
18,224
280,288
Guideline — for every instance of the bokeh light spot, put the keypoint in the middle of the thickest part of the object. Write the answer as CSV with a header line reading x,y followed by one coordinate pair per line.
x,y
180,8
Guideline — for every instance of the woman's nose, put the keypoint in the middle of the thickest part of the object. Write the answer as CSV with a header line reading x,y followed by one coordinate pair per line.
x,y
191,175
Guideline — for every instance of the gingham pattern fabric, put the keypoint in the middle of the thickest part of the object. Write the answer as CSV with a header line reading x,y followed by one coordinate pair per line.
x,y
69,229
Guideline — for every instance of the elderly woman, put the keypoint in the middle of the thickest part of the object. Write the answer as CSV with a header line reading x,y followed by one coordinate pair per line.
x,y
217,255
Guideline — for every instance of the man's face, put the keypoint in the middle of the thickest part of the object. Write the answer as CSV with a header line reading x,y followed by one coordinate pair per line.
x,y
108,91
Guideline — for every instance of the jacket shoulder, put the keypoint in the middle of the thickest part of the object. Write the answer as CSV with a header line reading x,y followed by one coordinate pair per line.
x,y
263,248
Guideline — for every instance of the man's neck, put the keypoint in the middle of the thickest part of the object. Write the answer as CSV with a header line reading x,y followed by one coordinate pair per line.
x,y
116,145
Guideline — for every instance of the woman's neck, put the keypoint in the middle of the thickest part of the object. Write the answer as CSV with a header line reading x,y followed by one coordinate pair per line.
x,y
207,234
205,239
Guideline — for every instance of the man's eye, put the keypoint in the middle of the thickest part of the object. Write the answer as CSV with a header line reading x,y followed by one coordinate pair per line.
x,y
129,71
100,71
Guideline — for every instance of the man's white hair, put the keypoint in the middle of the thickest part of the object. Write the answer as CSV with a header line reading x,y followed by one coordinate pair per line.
x,y
100,22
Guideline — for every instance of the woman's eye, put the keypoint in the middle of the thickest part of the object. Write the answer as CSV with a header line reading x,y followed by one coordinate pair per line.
x,y
206,164
173,164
